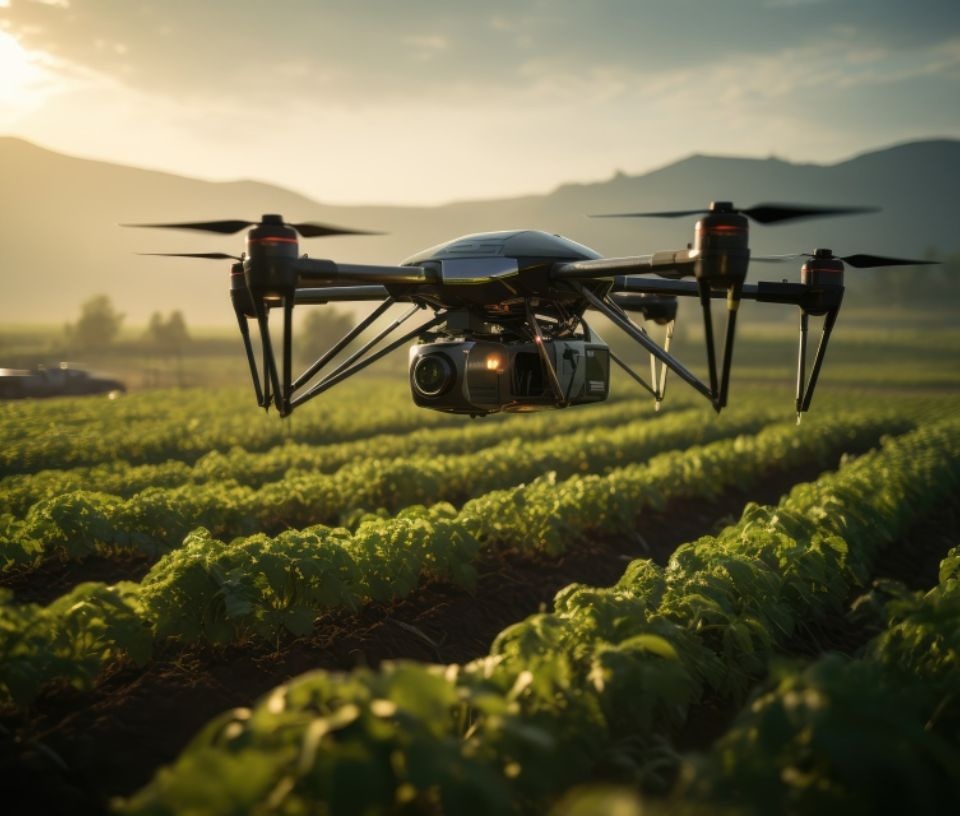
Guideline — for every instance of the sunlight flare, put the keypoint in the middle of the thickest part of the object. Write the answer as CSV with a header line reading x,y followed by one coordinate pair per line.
x,y
24,81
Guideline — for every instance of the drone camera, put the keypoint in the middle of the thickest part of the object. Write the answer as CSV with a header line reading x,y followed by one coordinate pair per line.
x,y
483,376
432,374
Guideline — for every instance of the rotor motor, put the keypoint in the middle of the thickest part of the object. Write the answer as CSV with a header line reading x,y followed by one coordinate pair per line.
x,y
661,309
239,293
823,269
721,241
823,273
271,248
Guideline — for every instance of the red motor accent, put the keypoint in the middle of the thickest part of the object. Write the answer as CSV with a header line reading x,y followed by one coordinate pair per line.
x,y
721,239
272,249
823,269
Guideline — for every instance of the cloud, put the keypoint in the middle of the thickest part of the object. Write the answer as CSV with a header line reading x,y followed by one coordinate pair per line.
x,y
379,50
379,100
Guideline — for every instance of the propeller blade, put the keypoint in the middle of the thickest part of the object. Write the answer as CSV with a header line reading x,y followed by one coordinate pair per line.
x,y
314,230
773,213
222,227
870,261
668,214
762,213
213,256
307,230
859,261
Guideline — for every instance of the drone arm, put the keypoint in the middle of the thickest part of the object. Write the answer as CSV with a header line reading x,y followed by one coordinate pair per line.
x,y
635,283
603,268
770,292
671,264
796,294
327,294
312,271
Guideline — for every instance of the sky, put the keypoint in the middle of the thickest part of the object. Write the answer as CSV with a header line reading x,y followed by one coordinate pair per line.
x,y
425,102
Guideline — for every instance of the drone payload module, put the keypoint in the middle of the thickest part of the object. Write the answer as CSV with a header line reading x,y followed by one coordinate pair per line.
x,y
506,327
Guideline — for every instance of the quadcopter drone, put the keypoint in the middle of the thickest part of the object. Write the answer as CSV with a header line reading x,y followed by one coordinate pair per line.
x,y
506,326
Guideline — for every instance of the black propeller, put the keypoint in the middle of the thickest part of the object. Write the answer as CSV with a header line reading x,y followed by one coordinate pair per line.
x,y
858,261
308,229
761,213
213,256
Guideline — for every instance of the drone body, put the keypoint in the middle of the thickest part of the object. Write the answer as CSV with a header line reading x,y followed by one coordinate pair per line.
x,y
507,326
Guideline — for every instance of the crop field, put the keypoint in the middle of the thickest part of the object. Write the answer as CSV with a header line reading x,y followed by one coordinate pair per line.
x,y
373,608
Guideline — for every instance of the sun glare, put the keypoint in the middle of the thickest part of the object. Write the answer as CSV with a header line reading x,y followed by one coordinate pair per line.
x,y
20,78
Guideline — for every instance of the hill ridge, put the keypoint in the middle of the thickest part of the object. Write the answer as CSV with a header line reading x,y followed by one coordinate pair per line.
x,y
60,243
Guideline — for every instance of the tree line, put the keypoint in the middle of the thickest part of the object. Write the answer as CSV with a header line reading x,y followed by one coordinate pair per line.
x,y
98,329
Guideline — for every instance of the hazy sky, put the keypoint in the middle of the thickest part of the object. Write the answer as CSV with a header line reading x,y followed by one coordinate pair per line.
x,y
421,101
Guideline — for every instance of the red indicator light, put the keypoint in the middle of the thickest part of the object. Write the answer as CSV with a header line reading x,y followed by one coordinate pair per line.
x,y
722,228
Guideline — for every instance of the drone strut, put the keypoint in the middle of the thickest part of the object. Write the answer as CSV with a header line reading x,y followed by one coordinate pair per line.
x,y
280,389
633,331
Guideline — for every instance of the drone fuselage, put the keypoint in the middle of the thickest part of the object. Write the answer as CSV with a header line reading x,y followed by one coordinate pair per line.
x,y
493,274
485,358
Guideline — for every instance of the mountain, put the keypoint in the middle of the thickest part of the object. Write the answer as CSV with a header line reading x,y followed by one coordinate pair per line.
x,y
60,243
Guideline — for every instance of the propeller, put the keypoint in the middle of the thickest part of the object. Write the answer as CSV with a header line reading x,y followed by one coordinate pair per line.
x,y
213,256
858,261
308,229
761,213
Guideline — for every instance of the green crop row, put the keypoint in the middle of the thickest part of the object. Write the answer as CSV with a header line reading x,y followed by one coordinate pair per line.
x,y
216,591
186,424
876,734
585,691
77,524
18,492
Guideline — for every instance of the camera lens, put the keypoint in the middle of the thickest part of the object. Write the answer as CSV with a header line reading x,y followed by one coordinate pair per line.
x,y
432,374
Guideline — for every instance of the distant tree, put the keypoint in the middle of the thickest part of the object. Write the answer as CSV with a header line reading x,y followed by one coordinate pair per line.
x,y
168,339
154,329
169,336
319,330
97,327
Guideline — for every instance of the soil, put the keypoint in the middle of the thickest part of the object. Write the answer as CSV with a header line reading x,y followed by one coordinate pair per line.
x,y
73,750
54,578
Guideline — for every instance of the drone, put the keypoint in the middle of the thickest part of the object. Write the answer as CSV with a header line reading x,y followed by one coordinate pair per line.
x,y
506,312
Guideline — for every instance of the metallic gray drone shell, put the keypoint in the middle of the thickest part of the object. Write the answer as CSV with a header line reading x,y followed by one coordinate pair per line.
x,y
520,244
